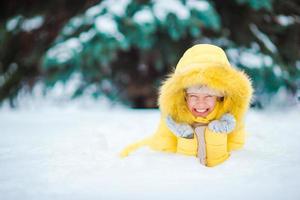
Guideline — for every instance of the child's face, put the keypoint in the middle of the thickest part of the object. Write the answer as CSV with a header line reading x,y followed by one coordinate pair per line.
x,y
200,104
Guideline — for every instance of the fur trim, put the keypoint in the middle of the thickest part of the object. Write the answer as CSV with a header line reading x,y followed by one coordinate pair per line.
x,y
216,74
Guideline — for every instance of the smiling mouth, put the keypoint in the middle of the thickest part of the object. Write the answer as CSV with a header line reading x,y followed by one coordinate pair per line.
x,y
201,111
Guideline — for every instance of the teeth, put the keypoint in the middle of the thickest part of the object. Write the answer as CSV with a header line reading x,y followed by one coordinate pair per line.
x,y
200,110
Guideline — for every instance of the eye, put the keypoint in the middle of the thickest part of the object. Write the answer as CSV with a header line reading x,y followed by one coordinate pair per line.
x,y
192,97
209,97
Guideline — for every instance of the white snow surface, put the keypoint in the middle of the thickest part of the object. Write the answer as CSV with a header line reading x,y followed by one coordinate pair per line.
x,y
71,152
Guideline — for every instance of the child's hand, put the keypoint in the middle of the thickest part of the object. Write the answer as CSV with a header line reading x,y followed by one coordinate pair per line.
x,y
225,124
180,129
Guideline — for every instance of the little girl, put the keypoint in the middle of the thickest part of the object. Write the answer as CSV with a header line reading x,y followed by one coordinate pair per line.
x,y
202,106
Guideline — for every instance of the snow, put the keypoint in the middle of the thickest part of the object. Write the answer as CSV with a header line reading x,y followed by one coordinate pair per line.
x,y
263,38
87,36
32,23
13,23
255,60
70,151
277,71
249,57
285,20
143,16
118,8
94,11
27,24
198,5
106,85
163,8
250,60
73,25
65,51
107,25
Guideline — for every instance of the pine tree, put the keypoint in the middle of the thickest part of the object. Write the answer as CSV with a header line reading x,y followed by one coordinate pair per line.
x,y
125,49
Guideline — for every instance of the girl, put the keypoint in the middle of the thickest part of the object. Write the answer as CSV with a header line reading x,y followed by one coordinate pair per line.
x,y
202,106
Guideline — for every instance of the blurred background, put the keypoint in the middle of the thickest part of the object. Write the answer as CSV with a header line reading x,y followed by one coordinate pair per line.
x,y
122,50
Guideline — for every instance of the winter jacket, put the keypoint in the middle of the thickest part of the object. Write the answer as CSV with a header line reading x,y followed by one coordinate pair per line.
x,y
208,65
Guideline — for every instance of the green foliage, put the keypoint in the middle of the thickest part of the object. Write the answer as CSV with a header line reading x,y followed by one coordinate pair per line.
x,y
91,44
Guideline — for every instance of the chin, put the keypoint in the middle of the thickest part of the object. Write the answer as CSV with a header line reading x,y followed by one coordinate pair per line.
x,y
200,115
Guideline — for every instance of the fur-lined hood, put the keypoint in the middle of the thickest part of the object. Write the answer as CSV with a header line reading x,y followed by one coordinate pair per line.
x,y
207,65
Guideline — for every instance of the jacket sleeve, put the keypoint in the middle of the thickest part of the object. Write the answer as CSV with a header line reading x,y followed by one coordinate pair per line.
x,y
163,139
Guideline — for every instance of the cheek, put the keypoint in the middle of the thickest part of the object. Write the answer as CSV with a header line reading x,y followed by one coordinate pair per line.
x,y
190,105
211,104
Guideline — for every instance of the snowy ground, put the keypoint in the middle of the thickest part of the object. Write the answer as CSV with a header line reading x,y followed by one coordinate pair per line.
x,y
72,153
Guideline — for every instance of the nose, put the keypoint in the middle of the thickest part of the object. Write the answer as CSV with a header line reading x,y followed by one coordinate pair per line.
x,y
200,103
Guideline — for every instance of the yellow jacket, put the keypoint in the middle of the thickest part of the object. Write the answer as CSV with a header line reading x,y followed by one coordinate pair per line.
x,y
208,65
